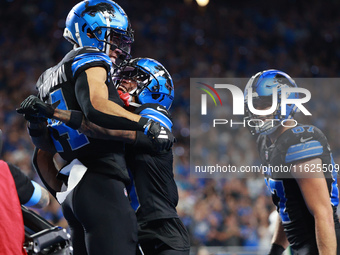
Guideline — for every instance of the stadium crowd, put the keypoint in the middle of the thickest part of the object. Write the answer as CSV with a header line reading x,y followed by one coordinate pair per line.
x,y
224,39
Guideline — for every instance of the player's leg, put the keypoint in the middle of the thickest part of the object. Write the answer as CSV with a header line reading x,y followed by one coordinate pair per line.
x,y
170,251
110,224
164,237
77,230
160,248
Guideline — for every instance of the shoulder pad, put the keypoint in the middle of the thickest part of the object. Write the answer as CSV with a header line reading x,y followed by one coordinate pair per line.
x,y
156,107
156,112
302,142
90,57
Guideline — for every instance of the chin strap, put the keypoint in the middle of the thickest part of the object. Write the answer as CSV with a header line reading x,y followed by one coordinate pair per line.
x,y
135,104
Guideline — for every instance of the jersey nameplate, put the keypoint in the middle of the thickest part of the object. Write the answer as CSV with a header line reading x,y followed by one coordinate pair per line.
x,y
56,77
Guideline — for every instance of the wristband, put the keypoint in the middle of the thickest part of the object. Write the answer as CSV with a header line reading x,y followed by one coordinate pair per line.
x,y
276,249
142,123
75,120
35,198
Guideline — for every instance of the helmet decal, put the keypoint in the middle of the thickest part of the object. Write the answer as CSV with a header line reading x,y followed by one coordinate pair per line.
x,y
100,7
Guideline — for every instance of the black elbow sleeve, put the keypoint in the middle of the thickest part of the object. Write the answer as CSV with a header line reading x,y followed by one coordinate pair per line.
x,y
100,118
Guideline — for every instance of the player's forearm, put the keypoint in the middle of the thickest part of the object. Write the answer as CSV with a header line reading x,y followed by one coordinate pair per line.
x,y
279,240
111,108
315,191
46,169
44,143
92,130
62,115
85,126
279,236
325,234
40,137
44,199
99,114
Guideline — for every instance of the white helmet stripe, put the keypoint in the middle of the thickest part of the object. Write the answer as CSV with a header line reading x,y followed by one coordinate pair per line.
x,y
107,45
78,34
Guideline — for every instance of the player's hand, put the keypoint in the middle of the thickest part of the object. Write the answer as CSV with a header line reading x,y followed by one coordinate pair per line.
x,y
33,105
159,135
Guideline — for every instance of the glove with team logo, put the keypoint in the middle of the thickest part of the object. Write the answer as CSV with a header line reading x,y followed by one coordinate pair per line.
x,y
160,136
166,138
32,105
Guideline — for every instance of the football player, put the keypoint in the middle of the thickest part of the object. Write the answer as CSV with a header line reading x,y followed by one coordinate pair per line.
x,y
160,231
97,210
306,200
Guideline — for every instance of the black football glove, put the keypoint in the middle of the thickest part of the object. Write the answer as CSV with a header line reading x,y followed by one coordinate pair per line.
x,y
32,105
160,136
165,140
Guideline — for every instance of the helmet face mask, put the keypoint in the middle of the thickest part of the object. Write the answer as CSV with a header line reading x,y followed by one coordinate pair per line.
x,y
154,83
263,85
99,23
115,40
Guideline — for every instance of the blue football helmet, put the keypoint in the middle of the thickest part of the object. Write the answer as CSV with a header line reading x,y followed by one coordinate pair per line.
x,y
262,85
154,83
99,23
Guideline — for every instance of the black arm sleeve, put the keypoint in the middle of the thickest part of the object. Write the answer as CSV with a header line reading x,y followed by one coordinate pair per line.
x,y
23,184
100,118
